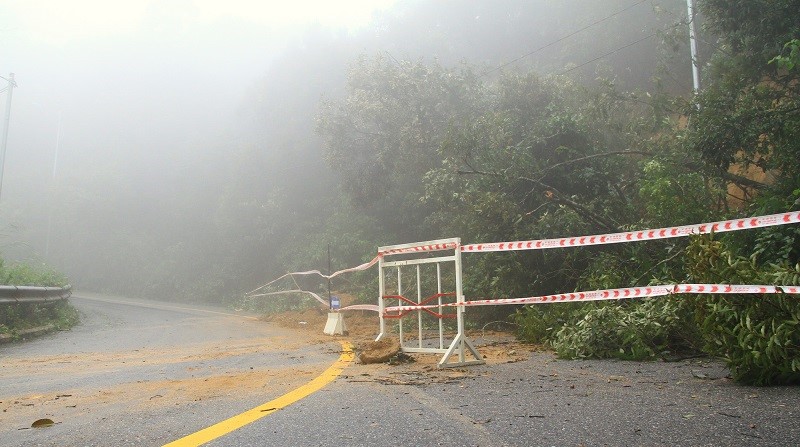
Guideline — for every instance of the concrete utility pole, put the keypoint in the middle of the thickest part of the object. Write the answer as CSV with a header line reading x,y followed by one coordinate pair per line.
x,y
11,85
693,47
53,182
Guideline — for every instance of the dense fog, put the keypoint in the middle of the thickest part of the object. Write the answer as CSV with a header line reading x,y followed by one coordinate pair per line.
x,y
170,148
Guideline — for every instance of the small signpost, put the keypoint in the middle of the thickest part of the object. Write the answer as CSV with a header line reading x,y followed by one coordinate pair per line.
x,y
335,324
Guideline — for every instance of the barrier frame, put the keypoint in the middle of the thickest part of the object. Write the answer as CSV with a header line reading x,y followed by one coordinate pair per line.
x,y
461,344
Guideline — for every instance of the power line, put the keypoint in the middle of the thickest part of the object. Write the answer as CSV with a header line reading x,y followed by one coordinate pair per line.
x,y
608,54
564,37
616,50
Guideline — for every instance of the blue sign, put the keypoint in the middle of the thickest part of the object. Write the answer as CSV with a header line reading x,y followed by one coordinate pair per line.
x,y
335,303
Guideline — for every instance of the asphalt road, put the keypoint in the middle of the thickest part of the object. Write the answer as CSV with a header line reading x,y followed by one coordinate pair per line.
x,y
139,375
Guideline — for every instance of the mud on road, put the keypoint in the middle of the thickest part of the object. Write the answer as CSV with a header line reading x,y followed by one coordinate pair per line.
x,y
147,374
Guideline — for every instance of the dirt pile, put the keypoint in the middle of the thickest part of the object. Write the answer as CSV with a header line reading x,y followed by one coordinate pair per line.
x,y
377,351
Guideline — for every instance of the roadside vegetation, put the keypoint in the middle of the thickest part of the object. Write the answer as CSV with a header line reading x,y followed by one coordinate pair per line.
x,y
528,156
16,319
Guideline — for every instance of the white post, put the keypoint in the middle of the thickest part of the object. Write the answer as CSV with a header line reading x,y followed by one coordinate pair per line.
x,y
381,303
400,303
460,301
52,189
419,312
439,291
693,47
4,141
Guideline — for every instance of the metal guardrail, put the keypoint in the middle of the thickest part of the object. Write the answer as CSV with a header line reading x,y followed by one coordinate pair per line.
x,y
30,294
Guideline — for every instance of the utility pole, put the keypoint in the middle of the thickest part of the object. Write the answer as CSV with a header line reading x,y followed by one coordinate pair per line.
x,y
693,47
11,85
52,187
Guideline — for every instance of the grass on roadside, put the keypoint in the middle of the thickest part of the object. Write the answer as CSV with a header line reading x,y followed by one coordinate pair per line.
x,y
17,318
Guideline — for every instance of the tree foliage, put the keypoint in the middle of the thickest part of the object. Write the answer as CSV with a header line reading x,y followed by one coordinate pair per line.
x,y
384,137
757,335
747,118
539,157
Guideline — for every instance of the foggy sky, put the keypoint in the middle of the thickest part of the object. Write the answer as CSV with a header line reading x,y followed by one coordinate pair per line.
x,y
130,80
136,85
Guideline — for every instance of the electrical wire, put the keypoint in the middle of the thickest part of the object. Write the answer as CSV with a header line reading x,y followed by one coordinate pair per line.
x,y
616,50
563,38
608,54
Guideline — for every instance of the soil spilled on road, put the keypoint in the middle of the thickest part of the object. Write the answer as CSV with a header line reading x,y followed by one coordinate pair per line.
x,y
224,369
417,369
153,377
22,410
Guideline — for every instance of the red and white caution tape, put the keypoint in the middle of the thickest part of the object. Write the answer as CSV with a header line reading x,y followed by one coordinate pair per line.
x,y
363,266
371,307
419,249
612,238
643,235
282,292
358,268
617,294
576,241
324,302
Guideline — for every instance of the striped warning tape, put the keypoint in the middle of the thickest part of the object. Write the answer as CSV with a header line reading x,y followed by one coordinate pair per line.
x,y
643,235
617,294
372,307
285,292
364,266
419,249
612,238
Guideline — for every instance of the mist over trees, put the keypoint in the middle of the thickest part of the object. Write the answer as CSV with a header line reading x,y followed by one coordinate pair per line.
x,y
489,121
215,210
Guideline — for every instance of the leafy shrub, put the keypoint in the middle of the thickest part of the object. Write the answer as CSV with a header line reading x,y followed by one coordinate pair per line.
x,y
22,316
538,323
630,330
675,196
28,275
634,330
61,315
758,336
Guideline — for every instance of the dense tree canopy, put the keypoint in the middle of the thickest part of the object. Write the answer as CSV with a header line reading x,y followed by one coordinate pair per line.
x,y
524,156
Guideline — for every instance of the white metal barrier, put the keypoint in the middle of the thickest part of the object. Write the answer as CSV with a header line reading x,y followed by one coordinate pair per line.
x,y
418,255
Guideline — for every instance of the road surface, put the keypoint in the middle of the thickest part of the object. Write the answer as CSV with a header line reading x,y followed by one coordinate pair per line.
x,y
140,373
144,374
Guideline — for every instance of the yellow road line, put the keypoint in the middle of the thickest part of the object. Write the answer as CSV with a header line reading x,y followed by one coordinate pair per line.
x,y
223,428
